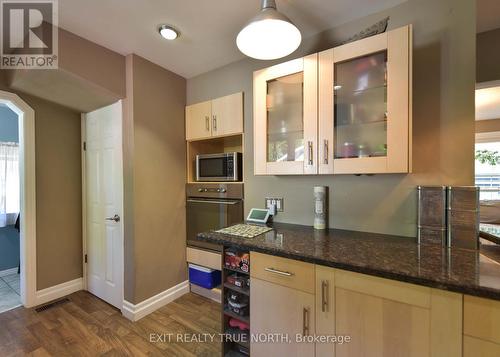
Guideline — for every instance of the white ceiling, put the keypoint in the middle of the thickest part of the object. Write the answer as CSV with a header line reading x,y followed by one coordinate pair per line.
x,y
488,15
208,27
488,103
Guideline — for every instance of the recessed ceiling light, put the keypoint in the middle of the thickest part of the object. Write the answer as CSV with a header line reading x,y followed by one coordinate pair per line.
x,y
269,35
168,32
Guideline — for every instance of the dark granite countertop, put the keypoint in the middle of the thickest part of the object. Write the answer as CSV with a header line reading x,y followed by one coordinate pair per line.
x,y
398,258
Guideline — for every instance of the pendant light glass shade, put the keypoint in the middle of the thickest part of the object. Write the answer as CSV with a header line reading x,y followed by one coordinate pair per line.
x,y
270,35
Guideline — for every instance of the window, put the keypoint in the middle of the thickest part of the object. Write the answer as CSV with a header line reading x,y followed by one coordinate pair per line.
x,y
488,173
9,183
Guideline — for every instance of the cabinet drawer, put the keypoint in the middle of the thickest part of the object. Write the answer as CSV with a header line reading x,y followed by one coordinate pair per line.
x,y
410,294
474,347
286,272
204,258
482,318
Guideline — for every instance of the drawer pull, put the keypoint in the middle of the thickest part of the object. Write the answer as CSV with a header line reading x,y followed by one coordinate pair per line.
x,y
305,321
310,151
324,296
325,159
279,272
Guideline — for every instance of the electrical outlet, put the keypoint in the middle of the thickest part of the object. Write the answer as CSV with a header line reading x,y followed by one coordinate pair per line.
x,y
278,202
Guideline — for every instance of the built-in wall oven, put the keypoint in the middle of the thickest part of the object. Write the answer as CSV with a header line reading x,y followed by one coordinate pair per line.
x,y
211,206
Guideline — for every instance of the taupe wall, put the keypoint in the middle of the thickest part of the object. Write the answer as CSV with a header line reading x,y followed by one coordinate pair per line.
x,y
154,174
58,191
89,76
488,56
443,122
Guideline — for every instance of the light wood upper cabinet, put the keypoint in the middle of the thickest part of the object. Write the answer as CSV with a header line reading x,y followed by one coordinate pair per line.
x,y
227,115
346,110
365,105
219,117
198,117
285,118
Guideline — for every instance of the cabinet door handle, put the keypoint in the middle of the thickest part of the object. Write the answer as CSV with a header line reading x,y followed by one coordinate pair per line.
x,y
325,159
214,118
279,272
305,321
324,296
310,149
207,122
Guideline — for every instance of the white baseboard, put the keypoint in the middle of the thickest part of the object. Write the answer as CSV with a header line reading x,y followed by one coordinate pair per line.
x,y
58,291
8,272
137,312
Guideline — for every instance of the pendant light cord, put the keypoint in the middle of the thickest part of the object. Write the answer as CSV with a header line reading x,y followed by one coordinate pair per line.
x,y
268,4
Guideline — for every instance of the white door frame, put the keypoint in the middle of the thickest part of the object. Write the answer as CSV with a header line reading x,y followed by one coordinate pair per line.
x,y
26,117
84,198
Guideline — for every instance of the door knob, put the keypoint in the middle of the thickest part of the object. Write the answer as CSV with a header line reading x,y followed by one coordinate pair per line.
x,y
115,218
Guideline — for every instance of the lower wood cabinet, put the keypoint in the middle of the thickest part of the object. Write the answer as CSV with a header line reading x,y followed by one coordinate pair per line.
x,y
280,317
386,318
282,291
481,327
475,347
382,317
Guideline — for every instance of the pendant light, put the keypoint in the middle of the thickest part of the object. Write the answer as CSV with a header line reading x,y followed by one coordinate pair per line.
x,y
269,35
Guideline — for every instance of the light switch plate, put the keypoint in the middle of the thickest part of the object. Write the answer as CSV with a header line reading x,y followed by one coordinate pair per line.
x,y
278,202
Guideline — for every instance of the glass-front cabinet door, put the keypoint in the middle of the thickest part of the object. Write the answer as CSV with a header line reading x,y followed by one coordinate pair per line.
x,y
365,106
285,118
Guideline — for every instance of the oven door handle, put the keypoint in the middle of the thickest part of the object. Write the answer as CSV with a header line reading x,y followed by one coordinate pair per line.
x,y
214,201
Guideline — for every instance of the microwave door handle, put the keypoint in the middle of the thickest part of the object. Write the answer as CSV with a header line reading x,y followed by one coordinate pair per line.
x,y
213,201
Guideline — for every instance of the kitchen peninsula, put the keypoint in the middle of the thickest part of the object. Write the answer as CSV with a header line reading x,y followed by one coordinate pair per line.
x,y
367,284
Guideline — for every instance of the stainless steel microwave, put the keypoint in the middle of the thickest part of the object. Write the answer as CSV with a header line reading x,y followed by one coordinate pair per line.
x,y
219,167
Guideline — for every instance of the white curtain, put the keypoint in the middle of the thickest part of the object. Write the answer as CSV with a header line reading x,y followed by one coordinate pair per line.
x,y
9,183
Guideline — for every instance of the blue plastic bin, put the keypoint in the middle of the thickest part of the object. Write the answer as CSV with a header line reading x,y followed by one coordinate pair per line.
x,y
205,277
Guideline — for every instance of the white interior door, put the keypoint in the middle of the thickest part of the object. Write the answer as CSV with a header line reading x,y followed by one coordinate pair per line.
x,y
104,196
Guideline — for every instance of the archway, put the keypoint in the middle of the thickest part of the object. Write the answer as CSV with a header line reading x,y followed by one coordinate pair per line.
x,y
26,117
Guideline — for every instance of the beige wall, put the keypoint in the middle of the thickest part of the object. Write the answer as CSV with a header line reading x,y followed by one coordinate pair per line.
x,y
154,174
488,56
58,192
486,126
443,115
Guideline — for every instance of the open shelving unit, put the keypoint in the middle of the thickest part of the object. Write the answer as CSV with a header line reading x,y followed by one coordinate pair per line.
x,y
230,348
214,145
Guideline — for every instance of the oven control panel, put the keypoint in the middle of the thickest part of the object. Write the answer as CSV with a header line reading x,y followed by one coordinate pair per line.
x,y
217,190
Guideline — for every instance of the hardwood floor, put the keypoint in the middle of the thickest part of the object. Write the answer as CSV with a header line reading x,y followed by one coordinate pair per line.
x,y
87,326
